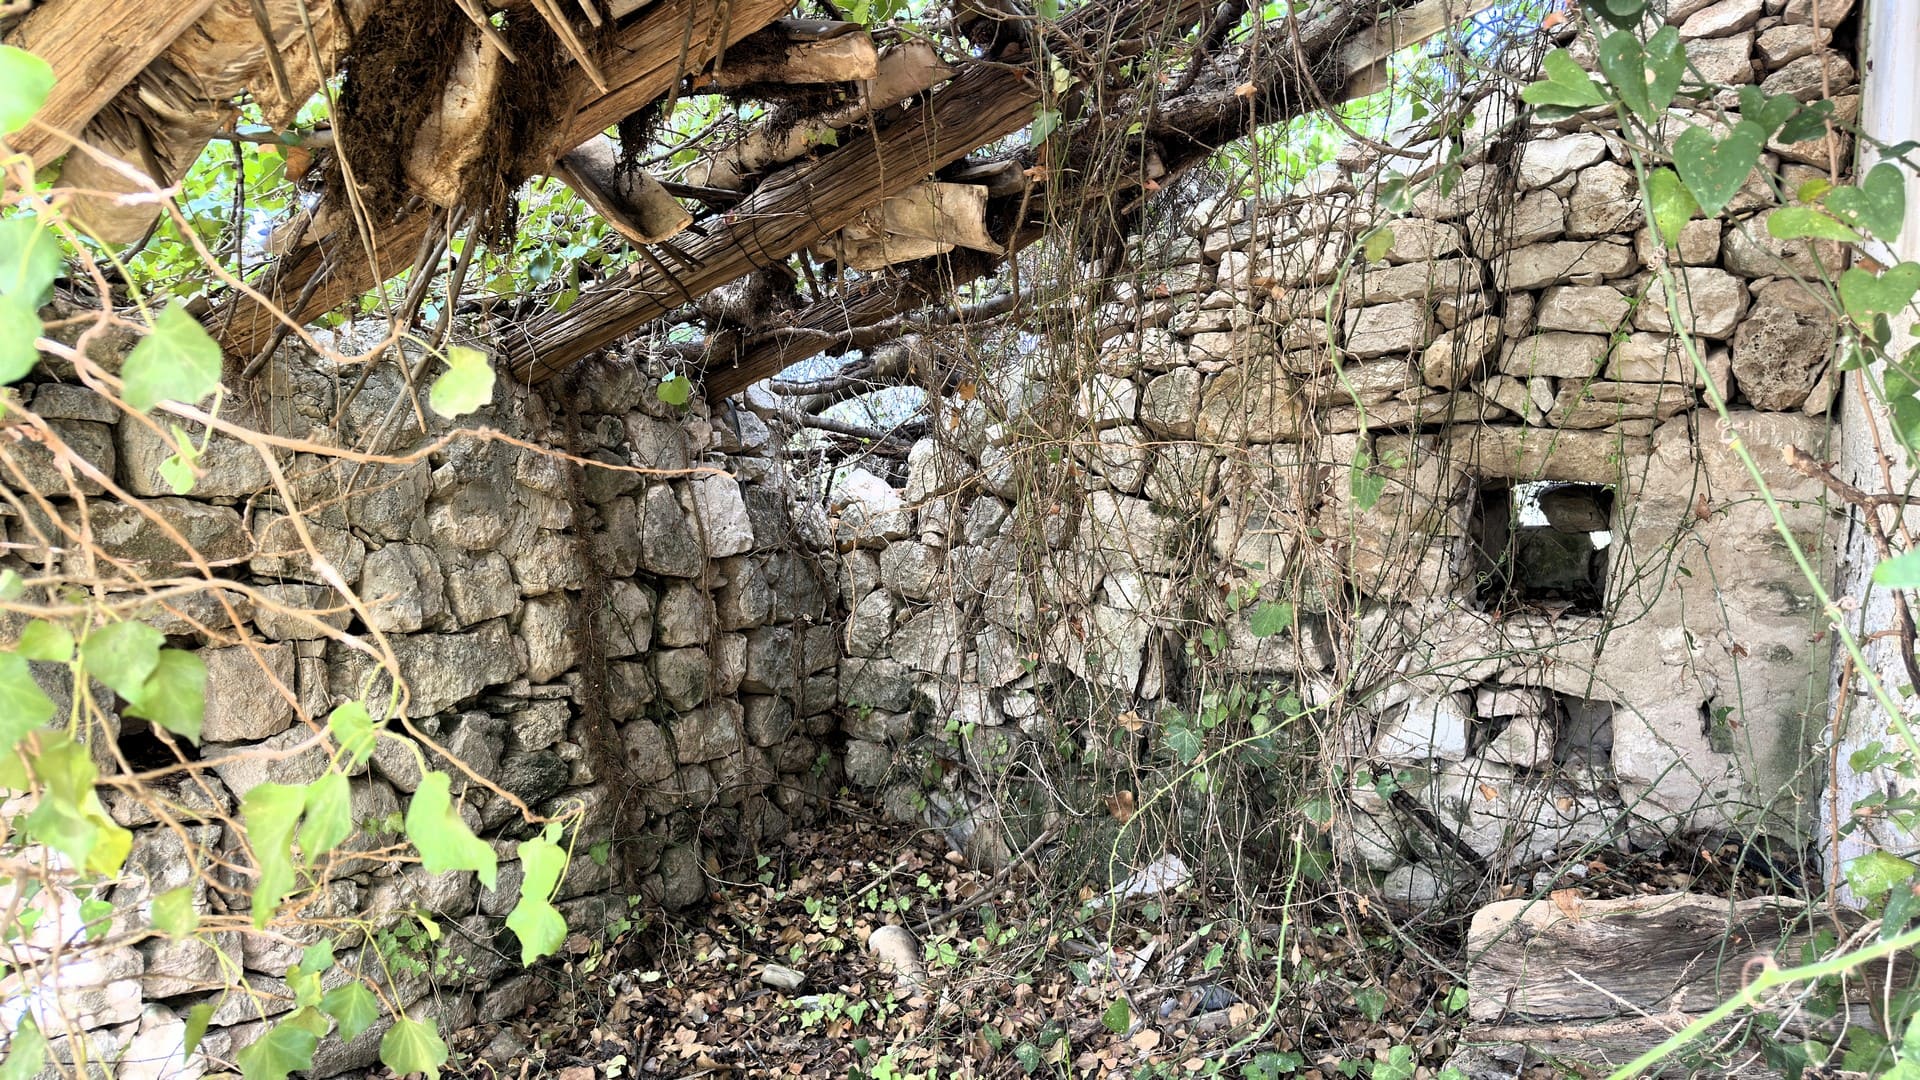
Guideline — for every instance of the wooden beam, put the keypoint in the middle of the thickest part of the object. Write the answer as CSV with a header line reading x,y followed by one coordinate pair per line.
x,y
642,63
820,325
95,49
635,204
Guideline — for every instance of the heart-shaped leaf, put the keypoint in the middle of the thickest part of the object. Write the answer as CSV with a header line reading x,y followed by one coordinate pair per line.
x,y
1796,222
466,385
1566,85
1768,111
176,361
1878,205
29,260
1865,294
1808,123
19,339
1646,79
1714,170
25,82
1624,14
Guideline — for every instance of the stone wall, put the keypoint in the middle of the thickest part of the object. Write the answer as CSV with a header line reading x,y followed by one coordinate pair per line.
x,y
649,642
1532,579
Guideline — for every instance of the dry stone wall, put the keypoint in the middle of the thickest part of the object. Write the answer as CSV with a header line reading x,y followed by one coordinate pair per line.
x,y
1532,579
683,603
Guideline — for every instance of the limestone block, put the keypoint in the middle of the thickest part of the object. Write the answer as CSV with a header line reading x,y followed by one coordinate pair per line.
x,y
274,615
1396,328
1563,261
707,733
1810,77
125,533
1554,354
669,546
1711,302
1699,245
545,562
624,624
1583,309
1783,346
1542,161
1754,252
1255,403
681,677
1171,403
716,504
243,702
684,616
1723,61
403,588
912,570
281,552
1654,358
1427,728
1605,199
547,627
878,684
871,511
1598,404
1787,42
1507,223
91,443
1457,355
1105,400
930,640
1721,19
1414,281
648,756
479,587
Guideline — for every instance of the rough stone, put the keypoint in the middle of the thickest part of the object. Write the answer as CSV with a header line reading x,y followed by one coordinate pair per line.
x,y
280,551
668,544
1555,355
1397,328
248,692
1563,261
1171,403
547,628
1256,403
685,616
1457,355
1783,346
125,533
402,586
226,468
1711,301
479,588
1542,161
1583,309
1721,19
1605,200
1429,728
89,442
1752,251
716,504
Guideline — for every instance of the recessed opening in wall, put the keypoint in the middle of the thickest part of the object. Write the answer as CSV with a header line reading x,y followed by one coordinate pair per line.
x,y
143,750
1543,543
1584,735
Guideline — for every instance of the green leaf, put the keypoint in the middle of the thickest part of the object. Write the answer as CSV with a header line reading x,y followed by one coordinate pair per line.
x,y
1118,1017
1646,79
329,815
466,385
444,841
675,390
1366,486
1379,242
178,470
1878,205
174,914
1795,222
69,817
23,705
1714,170
1809,123
1872,875
1768,111
271,811
19,334
122,655
353,1006
284,1049
27,1050
42,640
176,361
1372,1002
1045,122
353,729
1566,85
1270,618
25,82
538,924
1624,14
1398,1066
175,695
317,957
1900,572
94,914
1865,294
414,1046
1183,742
198,1018
29,260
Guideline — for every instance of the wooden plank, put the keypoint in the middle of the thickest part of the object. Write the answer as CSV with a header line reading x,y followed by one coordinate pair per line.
x,y
95,49
643,64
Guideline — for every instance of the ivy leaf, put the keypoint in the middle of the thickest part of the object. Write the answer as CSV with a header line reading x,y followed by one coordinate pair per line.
x,y
538,924
466,385
1270,618
1795,222
180,469
175,695
675,390
1900,572
444,840
176,361
1768,111
1865,294
1566,86
1045,122
25,82
1878,205
271,811
1810,122
1646,79
1365,486
122,655
1183,742
19,336
353,1006
42,640
1714,170
353,729
317,957
329,815
173,913
69,817
1624,14
27,1050
198,1018
1379,242
413,1046
284,1049
1118,1017
23,705
29,261
1873,875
